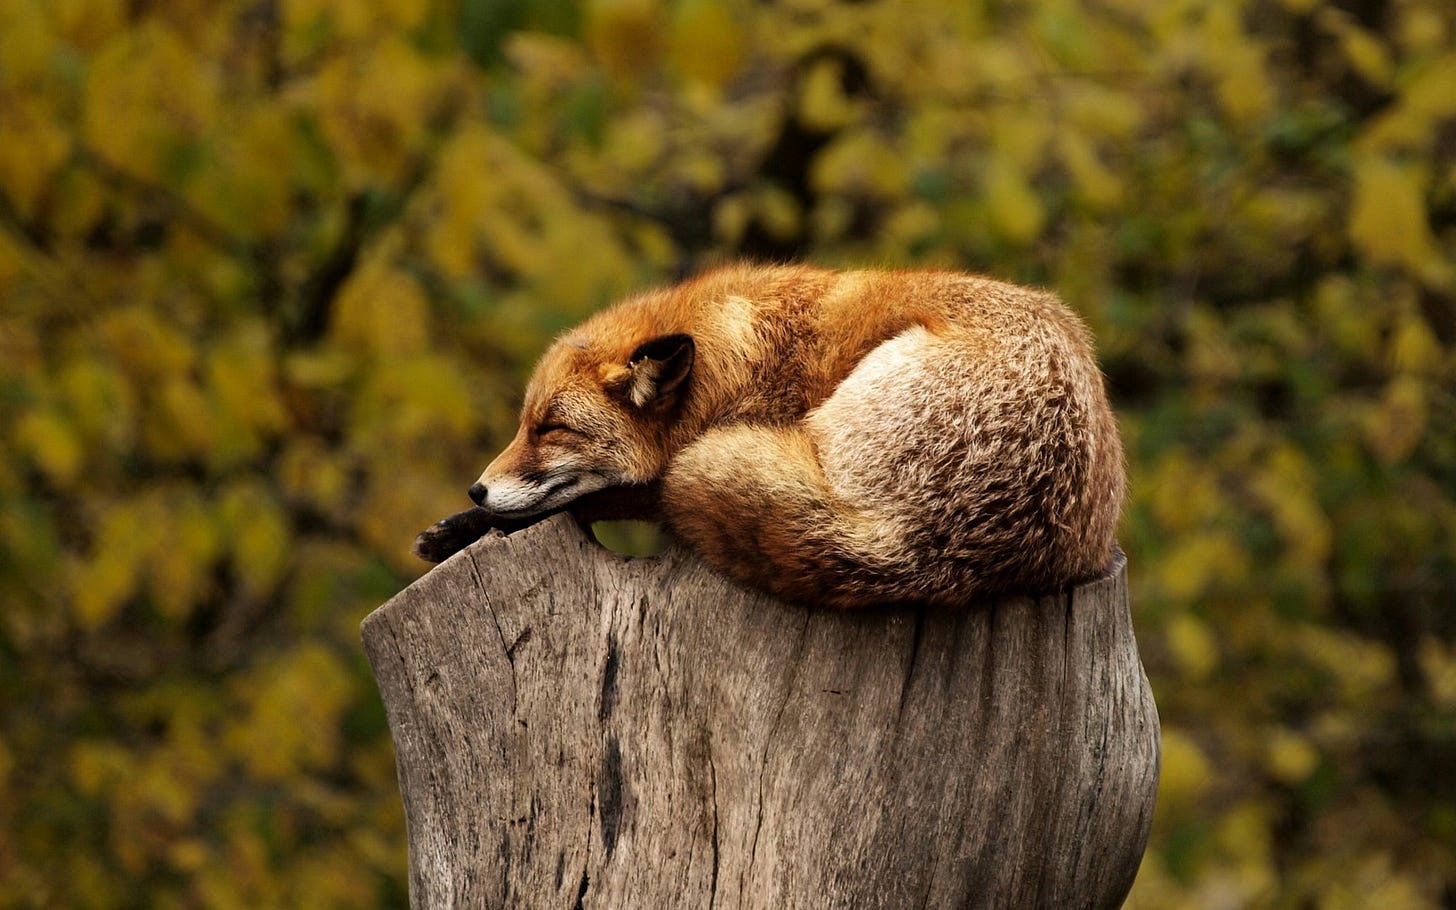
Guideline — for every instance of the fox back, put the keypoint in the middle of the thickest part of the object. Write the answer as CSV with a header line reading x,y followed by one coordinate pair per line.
x,y
834,437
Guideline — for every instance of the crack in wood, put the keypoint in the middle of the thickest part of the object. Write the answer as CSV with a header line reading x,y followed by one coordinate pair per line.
x,y
608,698
909,676
521,639
797,655
581,890
713,784
611,795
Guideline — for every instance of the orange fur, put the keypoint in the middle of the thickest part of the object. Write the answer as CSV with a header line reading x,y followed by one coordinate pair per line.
x,y
842,438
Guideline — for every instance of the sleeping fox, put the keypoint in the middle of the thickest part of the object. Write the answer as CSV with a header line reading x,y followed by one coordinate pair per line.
x,y
838,438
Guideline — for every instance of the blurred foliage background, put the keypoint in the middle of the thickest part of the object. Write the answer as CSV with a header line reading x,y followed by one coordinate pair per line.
x,y
272,273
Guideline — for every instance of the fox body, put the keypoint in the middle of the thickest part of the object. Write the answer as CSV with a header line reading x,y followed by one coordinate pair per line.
x,y
842,438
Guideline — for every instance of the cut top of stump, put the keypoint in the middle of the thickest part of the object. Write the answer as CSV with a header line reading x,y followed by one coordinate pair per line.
x,y
575,728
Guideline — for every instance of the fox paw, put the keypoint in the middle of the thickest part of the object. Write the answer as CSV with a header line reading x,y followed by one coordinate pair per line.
x,y
450,535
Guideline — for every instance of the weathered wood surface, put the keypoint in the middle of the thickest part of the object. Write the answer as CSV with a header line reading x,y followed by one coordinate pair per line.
x,y
579,729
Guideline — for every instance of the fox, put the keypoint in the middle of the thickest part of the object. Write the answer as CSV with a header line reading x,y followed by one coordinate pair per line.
x,y
837,438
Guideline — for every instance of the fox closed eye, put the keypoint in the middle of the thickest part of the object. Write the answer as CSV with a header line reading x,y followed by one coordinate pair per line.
x,y
559,429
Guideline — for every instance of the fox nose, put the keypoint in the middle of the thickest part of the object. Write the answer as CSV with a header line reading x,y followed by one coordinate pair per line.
x,y
477,493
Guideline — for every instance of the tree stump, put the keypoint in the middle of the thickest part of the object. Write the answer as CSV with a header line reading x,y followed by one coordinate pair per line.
x,y
576,728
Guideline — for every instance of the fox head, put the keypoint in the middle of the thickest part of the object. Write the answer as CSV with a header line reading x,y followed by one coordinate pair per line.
x,y
590,421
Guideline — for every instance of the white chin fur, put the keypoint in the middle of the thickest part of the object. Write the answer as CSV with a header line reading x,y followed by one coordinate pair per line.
x,y
513,497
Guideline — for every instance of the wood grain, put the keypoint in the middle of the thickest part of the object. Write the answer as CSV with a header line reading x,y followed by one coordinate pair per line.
x,y
579,729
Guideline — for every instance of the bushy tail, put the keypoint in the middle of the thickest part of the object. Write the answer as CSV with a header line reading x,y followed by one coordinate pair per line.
x,y
754,502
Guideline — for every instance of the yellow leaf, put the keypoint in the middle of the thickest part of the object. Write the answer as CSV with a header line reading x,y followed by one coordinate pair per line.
x,y
1397,424
147,98
1421,30
1197,562
243,393
1388,215
102,583
1012,205
832,218
1183,492
352,21
241,188
1413,347
911,224
1096,182
376,104
408,404
149,349
1244,835
1192,645
701,171
381,310
707,40
602,276
26,43
318,370
1363,49
1243,87
86,23
655,245
626,35
311,472
1022,140
1277,212
1186,772
823,106
1347,316
461,199
547,62
258,532
731,217
33,146
1432,92
187,855
1212,357
96,765
161,790
1284,484
450,243
181,423
186,543
392,501
636,141
1413,122
1438,663
52,445
292,708
101,401
1290,757
778,212
1101,110
859,161
12,266
1237,60
79,202
1359,667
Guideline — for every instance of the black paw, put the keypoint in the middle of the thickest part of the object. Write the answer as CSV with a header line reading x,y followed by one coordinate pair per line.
x,y
449,536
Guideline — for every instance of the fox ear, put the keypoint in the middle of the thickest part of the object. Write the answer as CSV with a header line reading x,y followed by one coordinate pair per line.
x,y
657,369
